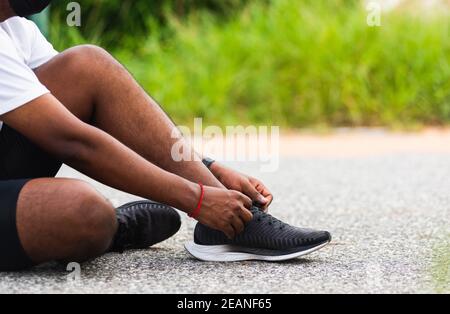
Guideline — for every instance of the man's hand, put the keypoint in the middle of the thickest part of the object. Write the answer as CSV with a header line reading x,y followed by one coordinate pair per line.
x,y
251,187
225,210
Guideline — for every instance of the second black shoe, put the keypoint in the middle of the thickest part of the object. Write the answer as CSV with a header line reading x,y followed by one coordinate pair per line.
x,y
143,224
264,238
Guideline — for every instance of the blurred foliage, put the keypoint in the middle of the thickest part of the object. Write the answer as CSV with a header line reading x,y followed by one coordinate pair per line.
x,y
296,63
126,22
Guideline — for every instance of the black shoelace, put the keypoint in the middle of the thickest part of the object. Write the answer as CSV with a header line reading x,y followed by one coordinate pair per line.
x,y
263,217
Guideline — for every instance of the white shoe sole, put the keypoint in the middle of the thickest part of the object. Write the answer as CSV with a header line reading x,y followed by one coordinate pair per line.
x,y
229,253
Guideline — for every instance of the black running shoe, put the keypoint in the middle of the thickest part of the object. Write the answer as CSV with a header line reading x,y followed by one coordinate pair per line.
x,y
264,238
143,224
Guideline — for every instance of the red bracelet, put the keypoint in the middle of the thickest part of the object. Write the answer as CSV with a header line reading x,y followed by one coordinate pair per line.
x,y
195,213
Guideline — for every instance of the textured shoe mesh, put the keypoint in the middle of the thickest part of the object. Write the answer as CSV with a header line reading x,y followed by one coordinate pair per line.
x,y
263,231
143,224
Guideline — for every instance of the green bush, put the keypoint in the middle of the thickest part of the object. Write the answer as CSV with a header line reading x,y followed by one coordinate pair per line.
x,y
125,23
299,63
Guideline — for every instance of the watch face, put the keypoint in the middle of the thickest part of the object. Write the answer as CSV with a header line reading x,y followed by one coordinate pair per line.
x,y
208,162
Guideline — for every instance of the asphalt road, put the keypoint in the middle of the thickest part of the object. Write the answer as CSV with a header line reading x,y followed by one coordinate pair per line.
x,y
389,215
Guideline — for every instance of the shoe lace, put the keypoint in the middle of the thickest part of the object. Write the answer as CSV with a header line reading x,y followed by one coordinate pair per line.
x,y
271,220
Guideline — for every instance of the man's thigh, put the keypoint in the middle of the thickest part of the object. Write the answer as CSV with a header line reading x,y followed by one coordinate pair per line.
x,y
21,159
72,77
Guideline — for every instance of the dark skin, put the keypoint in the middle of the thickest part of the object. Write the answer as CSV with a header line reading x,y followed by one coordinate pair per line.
x,y
5,10
98,120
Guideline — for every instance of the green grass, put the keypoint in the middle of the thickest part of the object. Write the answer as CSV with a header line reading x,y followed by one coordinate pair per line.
x,y
298,64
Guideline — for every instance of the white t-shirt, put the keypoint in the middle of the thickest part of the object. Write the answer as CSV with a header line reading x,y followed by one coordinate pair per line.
x,y
22,49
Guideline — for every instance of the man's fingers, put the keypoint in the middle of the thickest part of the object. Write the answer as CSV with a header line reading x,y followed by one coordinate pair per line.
x,y
246,201
238,225
261,188
269,199
245,215
253,193
229,231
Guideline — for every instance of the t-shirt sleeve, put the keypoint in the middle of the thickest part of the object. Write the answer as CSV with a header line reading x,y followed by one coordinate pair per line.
x,y
18,83
42,51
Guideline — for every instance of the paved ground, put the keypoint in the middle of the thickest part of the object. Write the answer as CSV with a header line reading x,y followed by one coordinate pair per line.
x,y
389,214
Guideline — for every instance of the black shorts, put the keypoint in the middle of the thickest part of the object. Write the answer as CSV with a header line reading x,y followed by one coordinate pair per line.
x,y
20,161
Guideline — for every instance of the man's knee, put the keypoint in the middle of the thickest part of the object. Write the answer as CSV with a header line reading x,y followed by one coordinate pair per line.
x,y
89,53
64,219
93,221
86,59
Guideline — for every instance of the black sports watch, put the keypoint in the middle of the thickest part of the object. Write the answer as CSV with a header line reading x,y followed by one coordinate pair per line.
x,y
208,162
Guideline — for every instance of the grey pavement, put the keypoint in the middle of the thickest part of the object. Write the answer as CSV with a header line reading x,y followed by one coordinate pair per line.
x,y
389,215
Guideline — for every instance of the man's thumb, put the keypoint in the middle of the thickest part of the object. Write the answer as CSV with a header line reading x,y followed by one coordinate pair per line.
x,y
255,195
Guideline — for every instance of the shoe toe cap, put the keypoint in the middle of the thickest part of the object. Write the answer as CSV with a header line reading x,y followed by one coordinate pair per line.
x,y
168,223
320,237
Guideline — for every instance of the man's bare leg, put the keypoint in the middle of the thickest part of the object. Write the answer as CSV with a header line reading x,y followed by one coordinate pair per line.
x,y
64,219
98,89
